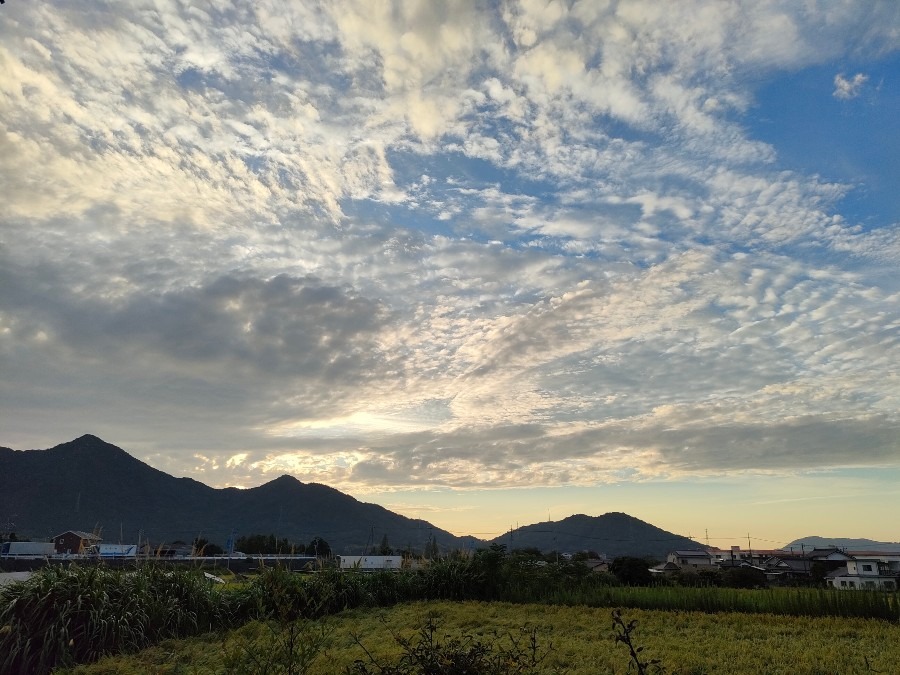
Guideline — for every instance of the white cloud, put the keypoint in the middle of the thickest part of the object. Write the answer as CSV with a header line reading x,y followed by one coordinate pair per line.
x,y
845,89
458,245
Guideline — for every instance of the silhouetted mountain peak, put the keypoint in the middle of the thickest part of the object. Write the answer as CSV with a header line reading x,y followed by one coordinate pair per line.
x,y
284,483
285,479
88,482
90,444
91,452
90,438
613,533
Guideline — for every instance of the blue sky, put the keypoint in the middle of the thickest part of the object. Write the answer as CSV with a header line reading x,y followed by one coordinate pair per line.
x,y
480,263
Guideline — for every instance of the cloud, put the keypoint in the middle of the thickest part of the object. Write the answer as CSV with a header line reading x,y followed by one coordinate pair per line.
x,y
845,89
466,245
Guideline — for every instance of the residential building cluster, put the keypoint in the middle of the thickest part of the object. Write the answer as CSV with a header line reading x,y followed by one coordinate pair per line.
x,y
844,570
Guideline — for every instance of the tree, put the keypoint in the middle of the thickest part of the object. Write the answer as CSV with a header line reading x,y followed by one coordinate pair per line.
x,y
744,577
631,571
260,544
431,549
319,548
202,547
817,572
385,548
587,555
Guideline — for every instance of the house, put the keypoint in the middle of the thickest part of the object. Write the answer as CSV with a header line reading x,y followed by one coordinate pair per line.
x,y
736,555
868,572
76,542
787,567
371,562
596,565
667,568
692,558
26,549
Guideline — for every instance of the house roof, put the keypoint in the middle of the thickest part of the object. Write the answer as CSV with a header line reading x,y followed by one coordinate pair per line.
x,y
692,553
839,572
594,564
828,553
724,564
80,534
793,564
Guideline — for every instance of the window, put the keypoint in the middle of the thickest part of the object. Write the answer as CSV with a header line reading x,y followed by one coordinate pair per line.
x,y
888,585
867,568
843,583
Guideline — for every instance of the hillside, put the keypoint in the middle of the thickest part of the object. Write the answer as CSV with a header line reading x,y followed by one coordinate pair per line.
x,y
848,544
88,483
614,534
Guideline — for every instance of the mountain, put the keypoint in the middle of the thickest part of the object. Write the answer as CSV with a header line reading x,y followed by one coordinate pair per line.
x,y
88,483
844,543
615,534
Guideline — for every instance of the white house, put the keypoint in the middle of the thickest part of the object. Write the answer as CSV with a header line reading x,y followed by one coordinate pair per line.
x,y
868,572
692,558
371,562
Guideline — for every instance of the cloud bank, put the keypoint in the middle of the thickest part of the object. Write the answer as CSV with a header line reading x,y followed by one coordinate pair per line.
x,y
475,245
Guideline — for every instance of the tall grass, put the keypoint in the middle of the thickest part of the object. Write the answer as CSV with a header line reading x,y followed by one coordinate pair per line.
x,y
67,615
782,601
332,591
63,616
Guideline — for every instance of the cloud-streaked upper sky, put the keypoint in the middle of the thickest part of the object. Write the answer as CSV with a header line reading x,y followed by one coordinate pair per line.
x,y
480,262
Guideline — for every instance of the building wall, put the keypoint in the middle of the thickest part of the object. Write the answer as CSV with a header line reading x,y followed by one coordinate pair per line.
x,y
68,542
371,562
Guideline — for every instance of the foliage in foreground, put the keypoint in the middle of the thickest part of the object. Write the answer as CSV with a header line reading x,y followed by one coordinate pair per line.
x,y
687,643
494,575
64,616
68,615
428,654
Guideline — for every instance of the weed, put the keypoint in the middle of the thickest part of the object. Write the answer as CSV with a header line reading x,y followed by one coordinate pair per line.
x,y
291,649
622,633
428,655
68,615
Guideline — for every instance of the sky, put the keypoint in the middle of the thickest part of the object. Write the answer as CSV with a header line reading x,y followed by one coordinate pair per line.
x,y
484,263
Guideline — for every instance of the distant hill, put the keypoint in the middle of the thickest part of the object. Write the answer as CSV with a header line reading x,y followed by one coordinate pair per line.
x,y
88,483
845,543
614,534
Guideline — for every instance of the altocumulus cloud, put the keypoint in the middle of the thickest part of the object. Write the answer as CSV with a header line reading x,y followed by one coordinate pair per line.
x,y
468,245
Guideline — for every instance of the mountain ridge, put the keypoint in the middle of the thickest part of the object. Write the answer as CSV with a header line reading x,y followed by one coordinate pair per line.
x,y
613,534
88,483
846,543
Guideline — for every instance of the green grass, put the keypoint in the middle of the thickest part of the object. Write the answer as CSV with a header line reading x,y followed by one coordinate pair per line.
x,y
580,640
66,616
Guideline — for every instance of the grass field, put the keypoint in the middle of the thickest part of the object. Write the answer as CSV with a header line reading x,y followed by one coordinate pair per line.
x,y
579,641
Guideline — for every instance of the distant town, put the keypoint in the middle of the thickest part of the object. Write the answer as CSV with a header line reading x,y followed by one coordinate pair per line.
x,y
833,567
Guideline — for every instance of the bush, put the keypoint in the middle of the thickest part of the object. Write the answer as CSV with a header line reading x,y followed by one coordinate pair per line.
x,y
744,577
632,571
